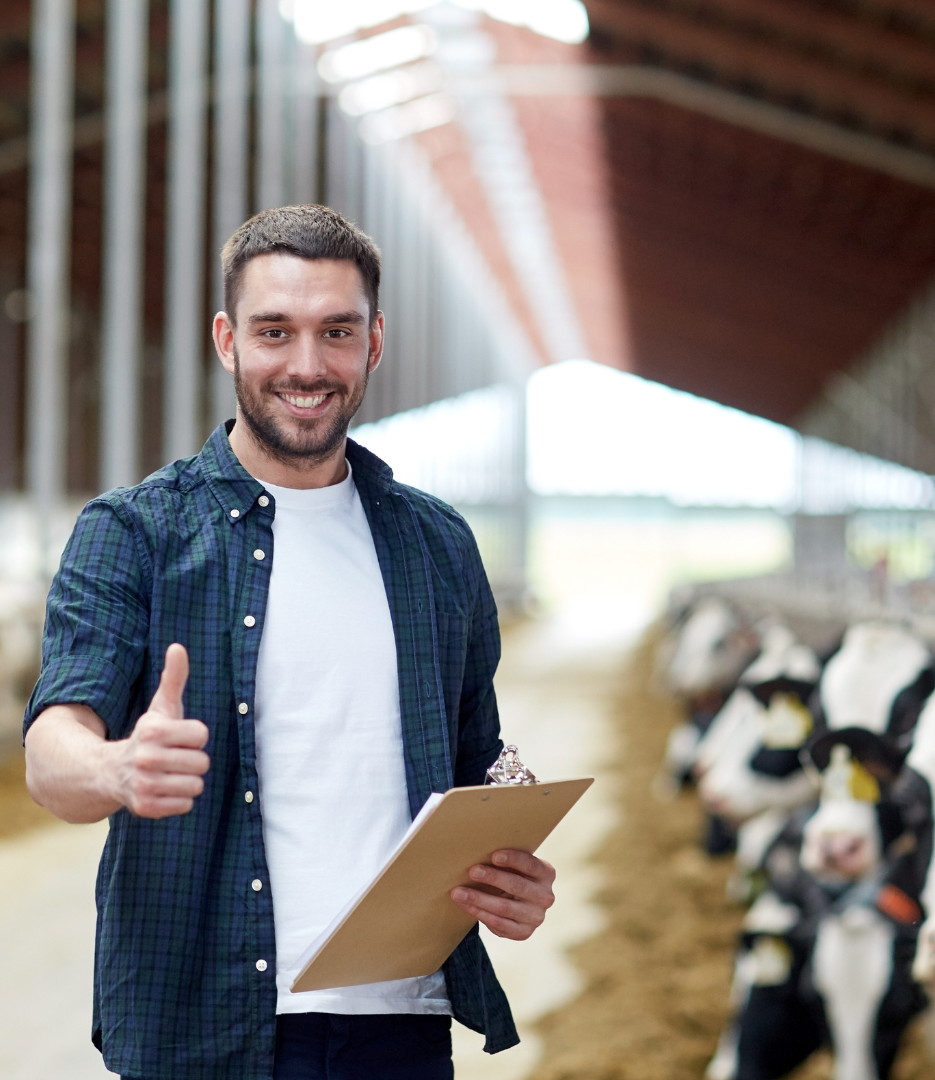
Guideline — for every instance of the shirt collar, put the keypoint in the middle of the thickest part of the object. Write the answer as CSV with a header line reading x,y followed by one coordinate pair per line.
x,y
235,489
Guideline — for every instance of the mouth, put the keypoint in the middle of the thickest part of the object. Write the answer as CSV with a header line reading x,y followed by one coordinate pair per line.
x,y
306,405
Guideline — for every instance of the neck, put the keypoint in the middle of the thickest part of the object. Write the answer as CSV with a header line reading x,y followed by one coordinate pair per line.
x,y
298,473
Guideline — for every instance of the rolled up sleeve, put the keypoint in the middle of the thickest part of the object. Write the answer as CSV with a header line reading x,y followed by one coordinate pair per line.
x,y
97,622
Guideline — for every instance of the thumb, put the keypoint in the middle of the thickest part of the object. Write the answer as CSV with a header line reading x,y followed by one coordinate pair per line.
x,y
167,701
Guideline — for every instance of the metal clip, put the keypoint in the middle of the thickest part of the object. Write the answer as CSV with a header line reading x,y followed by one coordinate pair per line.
x,y
508,769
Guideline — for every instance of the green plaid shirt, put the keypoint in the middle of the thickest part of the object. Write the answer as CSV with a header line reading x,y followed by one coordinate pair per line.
x,y
178,994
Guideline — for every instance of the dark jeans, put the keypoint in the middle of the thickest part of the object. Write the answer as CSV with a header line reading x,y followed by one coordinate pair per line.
x,y
325,1046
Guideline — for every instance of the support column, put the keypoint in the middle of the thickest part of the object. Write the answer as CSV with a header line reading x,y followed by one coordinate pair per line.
x,y
185,332
231,160
49,269
272,79
306,125
124,191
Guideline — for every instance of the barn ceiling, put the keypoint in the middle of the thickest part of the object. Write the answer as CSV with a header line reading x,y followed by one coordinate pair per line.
x,y
756,268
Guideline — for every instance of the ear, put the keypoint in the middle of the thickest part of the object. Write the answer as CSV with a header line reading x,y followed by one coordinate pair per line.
x,y
377,332
223,334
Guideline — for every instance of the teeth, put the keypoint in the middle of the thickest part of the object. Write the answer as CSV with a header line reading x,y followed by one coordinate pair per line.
x,y
305,402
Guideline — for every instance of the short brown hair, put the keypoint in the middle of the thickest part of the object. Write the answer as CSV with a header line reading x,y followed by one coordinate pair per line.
x,y
309,232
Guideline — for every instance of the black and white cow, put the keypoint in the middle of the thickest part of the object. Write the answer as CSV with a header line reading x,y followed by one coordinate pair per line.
x,y
711,647
747,762
827,949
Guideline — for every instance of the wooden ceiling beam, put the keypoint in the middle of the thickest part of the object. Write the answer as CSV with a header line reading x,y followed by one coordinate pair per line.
x,y
850,40
782,74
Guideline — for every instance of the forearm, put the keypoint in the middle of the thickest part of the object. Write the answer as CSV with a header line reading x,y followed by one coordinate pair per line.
x,y
68,764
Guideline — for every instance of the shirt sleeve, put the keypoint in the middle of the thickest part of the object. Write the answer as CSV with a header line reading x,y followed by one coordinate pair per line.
x,y
97,622
479,741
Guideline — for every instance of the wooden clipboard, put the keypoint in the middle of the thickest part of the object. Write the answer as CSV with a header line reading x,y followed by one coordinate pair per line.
x,y
406,923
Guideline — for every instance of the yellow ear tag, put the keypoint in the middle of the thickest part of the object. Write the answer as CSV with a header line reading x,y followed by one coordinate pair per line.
x,y
787,723
863,785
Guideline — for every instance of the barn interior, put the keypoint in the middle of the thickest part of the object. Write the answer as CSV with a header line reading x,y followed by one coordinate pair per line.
x,y
658,279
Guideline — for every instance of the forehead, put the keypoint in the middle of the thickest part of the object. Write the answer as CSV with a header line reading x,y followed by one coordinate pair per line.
x,y
283,282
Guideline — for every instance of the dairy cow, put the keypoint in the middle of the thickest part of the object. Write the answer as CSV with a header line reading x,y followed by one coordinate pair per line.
x,y
827,949
710,649
749,761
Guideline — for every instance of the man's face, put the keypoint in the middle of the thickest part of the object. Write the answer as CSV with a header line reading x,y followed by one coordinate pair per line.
x,y
302,351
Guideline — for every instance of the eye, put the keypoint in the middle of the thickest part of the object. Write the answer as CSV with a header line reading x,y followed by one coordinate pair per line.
x,y
274,333
336,333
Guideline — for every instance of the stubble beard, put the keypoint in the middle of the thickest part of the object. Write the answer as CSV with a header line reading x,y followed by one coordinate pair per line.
x,y
313,440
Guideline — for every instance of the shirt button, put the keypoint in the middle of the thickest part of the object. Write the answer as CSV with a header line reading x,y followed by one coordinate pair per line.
x,y
256,884
263,500
243,708
249,621
261,965
259,555
248,796
235,513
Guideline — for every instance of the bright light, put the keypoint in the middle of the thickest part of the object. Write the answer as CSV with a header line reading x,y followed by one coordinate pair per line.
x,y
564,20
420,115
318,21
596,431
391,88
471,446
377,53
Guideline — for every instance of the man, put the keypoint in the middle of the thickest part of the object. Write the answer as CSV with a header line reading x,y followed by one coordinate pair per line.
x,y
335,636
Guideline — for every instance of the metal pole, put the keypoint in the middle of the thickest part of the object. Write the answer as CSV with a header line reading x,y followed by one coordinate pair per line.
x,y
48,272
231,158
306,125
184,330
270,179
124,180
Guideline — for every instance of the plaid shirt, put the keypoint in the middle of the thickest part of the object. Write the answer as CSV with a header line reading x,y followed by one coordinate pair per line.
x,y
180,992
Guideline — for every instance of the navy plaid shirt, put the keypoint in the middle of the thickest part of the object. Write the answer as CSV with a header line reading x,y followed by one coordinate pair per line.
x,y
178,994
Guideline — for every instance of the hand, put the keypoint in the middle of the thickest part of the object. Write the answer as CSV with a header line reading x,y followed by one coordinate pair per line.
x,y
526,884
157,772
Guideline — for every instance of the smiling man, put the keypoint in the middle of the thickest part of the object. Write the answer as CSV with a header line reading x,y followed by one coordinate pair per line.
x,y
334,634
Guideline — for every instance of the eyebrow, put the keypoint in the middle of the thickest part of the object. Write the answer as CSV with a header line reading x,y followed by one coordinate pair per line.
x,y
280,317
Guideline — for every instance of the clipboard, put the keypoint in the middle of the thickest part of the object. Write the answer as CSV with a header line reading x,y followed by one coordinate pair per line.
x,y
405,923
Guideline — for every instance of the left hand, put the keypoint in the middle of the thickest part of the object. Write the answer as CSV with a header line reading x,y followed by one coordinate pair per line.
x,y
526,883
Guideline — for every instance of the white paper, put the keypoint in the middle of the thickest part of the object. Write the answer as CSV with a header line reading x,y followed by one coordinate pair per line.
x,y
318,944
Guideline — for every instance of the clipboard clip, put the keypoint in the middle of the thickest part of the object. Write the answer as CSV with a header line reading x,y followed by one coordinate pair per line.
x,y
508,769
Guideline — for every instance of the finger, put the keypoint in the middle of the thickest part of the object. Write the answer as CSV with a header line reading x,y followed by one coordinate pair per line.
x,y
166,786
161,759
500,925
161,808
190,734
505,907
516,885
524,863
167,701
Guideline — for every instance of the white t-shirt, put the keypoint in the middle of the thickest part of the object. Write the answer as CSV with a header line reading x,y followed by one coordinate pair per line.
x,y
329,739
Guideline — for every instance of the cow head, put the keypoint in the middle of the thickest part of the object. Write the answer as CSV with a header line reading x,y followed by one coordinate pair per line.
x,y
842,840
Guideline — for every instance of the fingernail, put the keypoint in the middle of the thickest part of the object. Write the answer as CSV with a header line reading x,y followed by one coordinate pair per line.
x,y
459,894
478,872
500,857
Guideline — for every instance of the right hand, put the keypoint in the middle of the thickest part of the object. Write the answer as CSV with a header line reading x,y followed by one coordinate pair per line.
x,y
157,772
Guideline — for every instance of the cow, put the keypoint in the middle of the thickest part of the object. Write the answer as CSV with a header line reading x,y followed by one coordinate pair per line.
x,y
709,650
827,949
747,762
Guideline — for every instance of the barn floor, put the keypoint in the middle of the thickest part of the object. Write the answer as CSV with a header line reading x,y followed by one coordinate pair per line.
x,y
641,995
656,978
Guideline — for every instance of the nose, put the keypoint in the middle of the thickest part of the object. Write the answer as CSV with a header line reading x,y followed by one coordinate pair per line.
x,y
306,360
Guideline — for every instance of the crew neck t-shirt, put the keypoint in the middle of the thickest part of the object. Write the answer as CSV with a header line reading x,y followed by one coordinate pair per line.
x,y
332,779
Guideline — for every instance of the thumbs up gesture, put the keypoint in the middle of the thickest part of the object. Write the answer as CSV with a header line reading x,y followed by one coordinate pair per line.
x,y
158,770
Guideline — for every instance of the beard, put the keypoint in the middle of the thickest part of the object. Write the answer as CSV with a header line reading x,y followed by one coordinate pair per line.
x,y
298,440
